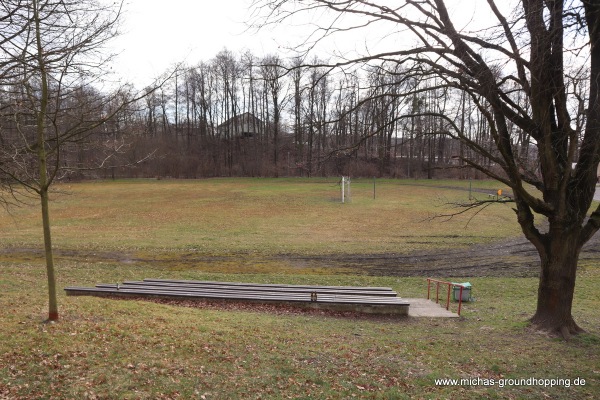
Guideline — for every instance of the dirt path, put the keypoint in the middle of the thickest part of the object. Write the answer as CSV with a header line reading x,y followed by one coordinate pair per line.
x,y
507,258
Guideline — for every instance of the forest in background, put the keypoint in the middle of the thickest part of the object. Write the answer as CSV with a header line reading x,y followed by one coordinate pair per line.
x,y
241,115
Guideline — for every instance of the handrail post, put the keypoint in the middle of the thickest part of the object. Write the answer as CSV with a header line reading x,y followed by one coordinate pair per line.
x,y
448,299
437,293
428,287
460,299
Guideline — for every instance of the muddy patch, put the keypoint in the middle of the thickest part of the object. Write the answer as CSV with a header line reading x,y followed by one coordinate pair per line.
x,y
507,258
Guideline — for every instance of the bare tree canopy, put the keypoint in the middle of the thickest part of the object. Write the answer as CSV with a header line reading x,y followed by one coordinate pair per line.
x,y
52,64
531,69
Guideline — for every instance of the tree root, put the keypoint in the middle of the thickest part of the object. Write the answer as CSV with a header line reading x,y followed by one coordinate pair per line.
x,y
564,329
565,332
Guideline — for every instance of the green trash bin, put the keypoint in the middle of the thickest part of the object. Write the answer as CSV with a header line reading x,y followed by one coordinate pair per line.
x,y
466,292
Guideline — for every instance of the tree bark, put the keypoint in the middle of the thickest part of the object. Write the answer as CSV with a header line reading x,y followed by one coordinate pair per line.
x,y
52,300
556,288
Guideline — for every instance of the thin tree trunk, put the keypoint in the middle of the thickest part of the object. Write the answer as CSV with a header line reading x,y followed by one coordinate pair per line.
x,y
52,300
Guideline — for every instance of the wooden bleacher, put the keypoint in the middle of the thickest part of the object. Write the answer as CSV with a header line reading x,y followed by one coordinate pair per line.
x,y
373,300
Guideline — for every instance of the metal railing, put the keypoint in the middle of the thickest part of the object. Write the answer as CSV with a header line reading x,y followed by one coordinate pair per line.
x,y
437,292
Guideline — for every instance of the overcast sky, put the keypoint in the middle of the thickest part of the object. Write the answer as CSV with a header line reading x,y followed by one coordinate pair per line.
x,y
157,34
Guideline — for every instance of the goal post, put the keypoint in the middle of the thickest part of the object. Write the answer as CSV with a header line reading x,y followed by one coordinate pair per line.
x,y
346,191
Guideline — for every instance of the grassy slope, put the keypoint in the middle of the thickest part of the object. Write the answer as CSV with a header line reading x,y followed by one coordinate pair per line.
x,y
133,349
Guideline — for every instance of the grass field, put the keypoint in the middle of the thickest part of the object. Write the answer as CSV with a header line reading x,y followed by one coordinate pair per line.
x,y
109,349
270,216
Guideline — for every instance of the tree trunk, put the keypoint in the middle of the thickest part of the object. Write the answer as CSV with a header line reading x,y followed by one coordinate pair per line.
x,y
52,301
557,282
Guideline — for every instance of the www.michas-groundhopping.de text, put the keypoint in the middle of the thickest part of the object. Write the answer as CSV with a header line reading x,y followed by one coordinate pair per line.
x,y
502,382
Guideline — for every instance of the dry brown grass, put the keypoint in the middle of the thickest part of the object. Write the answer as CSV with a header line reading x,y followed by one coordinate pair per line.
x,y
267,216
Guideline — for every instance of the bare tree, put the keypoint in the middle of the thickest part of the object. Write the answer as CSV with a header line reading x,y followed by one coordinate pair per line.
x,y
51,59
272,73
529,49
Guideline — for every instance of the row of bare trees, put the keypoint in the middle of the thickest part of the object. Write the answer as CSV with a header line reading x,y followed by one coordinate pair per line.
x,y
241,115
294,119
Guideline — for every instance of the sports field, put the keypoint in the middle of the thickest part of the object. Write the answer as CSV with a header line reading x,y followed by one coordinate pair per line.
x,y
212,220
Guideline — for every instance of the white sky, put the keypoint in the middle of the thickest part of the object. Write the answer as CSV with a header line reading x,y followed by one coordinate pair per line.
x,y
156,34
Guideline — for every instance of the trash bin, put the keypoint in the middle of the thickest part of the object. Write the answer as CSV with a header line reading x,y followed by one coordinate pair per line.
x,y
466,292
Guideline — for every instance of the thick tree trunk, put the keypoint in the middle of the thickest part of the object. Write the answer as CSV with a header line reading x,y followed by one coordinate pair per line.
x,y
557,283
